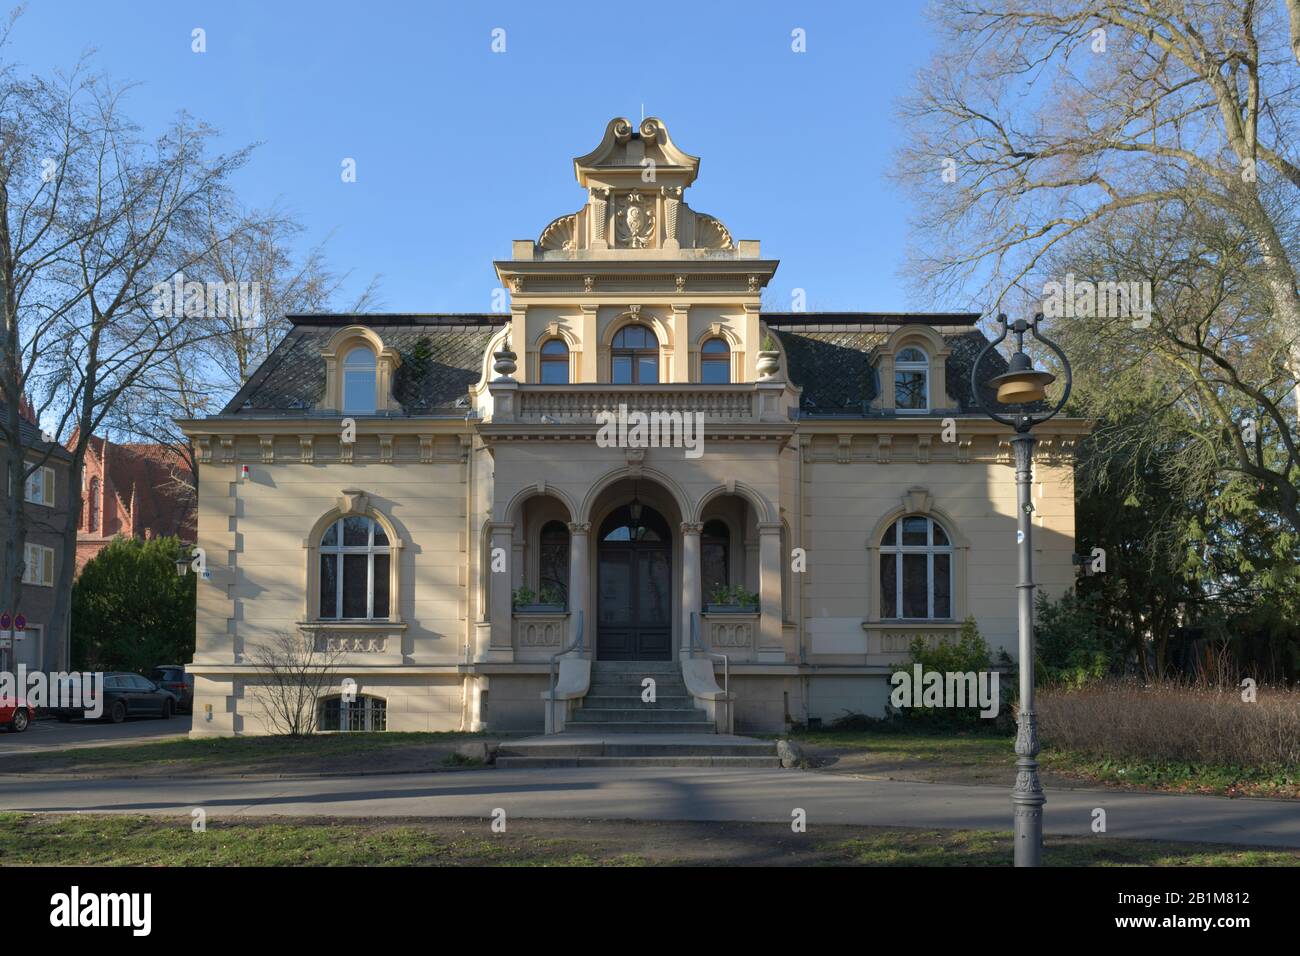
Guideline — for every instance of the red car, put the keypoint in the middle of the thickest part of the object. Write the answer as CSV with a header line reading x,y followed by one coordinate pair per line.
x,y
19,718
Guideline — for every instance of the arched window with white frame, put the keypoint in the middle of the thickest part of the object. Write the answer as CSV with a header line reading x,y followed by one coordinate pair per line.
x,y
355,570
912,380
916,570
359,390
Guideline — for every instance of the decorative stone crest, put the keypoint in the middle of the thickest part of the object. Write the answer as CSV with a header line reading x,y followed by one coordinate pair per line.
x,y
634,221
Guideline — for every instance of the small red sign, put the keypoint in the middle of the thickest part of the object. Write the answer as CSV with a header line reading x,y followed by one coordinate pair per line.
x,y
20,623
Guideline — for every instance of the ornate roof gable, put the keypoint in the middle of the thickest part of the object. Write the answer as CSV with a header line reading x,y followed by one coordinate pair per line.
x,y
635,181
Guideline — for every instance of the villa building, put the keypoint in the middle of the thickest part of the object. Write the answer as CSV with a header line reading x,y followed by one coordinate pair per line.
x,y
449,502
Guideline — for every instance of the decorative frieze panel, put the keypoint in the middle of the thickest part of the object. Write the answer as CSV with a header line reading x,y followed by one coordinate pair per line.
x,y
725,633
540,630
351,644
897,639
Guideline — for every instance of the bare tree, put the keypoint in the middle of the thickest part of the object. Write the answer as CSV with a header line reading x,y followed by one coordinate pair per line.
x,y
254,260
294,673
92,215
1043,120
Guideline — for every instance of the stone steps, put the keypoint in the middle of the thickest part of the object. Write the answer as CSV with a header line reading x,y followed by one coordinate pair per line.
x,y
586,748
640,727
646,714
634,702
662,761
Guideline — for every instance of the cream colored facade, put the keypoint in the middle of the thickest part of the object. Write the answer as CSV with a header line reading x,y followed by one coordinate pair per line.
x,y
805,493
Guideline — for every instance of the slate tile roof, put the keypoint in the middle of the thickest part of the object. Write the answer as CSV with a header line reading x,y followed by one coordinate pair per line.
x,y
29,434
441,358
833,355
830,354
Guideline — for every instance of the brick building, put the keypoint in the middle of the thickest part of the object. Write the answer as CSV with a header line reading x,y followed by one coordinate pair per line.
x,y
137,490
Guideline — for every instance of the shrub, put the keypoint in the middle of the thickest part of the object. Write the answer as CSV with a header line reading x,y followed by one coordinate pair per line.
x,y
970,652
1176,722
131,611
1071,641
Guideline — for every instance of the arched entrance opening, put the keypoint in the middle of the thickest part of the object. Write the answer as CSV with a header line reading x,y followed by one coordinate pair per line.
x,y
634,585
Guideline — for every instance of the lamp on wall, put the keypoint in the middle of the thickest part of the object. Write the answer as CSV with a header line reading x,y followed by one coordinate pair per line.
x,y
1025,388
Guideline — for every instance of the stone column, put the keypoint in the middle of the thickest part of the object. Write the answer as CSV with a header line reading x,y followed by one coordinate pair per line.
x,y
691,583
770,644
500,557
579,572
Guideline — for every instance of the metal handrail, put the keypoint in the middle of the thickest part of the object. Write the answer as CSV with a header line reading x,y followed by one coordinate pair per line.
x,y
695,639
575,644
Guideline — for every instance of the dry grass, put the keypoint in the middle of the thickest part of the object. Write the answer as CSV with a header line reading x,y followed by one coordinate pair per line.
x,y
1178,723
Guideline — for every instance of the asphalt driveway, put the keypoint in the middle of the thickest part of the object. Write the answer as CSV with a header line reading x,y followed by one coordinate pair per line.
x,y
47,734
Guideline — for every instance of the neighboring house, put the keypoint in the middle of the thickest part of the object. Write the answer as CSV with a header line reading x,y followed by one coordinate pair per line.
x,y
45,501
136,490
477,468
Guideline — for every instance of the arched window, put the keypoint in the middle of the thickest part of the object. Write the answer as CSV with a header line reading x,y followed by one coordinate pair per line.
x,y
912,380
355,564
715,556
645,524
359,382
92,509
715,362
635,357
553,562
363,713
916,570
555,363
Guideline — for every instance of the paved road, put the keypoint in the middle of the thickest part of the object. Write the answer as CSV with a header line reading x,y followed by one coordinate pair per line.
x,y
669,794
52,735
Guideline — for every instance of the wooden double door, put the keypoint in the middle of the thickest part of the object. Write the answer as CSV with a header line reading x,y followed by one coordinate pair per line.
x,y
634,587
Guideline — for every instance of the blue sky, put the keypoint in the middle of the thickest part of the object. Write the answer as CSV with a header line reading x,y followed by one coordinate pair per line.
x,y
459,150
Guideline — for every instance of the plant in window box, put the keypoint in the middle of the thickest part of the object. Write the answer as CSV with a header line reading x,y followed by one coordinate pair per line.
x,y
527,601
769,359
731,600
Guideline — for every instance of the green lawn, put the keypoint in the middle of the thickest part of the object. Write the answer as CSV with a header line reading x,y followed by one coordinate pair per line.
x,y
211,756
88,840
986,758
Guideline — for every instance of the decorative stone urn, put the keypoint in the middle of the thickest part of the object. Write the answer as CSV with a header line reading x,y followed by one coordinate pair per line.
x,y
769,363
505,361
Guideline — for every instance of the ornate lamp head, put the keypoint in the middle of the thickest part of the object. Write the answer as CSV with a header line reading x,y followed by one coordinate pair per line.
x,y
1021,385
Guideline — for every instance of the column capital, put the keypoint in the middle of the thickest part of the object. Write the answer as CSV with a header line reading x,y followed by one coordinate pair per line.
x,y
501,527
579,527
769,527
692,527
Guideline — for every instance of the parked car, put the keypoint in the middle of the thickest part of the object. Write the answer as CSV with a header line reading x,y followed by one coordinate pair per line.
x,y
16,718
128,695
174,678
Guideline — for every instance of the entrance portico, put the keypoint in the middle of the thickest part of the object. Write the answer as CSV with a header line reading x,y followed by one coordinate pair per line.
x,y
641,561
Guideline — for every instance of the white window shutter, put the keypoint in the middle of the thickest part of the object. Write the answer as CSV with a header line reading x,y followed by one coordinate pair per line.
x,y
49,486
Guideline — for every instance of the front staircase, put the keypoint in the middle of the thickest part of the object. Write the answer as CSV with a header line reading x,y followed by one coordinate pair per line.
x,y
614,704
615,727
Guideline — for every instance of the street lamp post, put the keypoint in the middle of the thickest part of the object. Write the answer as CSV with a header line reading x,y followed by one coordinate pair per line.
x,y
1024,390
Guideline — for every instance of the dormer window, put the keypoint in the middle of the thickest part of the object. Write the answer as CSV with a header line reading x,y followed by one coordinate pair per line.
x,y
912,381
359,373
359,382
715,362
555,363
